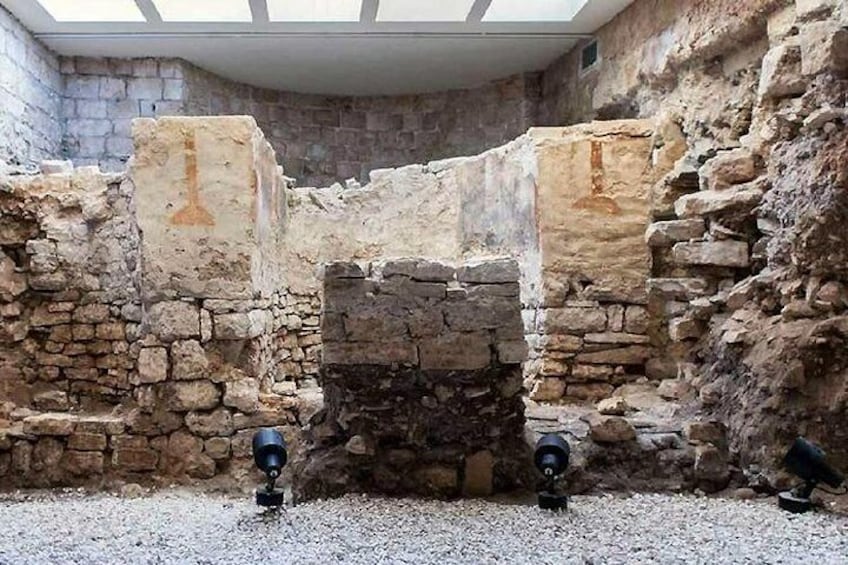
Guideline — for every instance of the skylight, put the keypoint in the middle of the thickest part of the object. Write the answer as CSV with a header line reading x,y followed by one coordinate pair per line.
x,y
424,10
204,10
93,10
533,10
314,10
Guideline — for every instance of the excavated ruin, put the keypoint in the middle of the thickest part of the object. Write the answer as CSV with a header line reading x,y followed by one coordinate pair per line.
x,y
665,286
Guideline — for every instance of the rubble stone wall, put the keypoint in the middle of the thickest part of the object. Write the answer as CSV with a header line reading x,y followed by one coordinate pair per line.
x,y
422,381
111,369
30,96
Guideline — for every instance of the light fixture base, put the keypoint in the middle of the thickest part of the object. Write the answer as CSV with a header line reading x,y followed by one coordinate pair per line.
x,y
552,501
270,497
791,502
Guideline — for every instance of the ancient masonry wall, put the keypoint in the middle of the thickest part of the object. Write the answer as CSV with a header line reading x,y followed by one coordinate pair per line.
x,y
318,139
30,97
112,371
422,381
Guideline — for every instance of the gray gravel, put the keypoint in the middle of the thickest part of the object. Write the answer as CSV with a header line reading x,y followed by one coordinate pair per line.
x,y
182,527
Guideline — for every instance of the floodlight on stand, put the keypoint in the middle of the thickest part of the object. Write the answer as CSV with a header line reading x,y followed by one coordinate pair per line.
x,y
551,459
270,455
806,460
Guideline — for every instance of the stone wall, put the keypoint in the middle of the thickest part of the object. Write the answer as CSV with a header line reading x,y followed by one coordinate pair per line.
x,y
422,381
318,139
30,97
119,365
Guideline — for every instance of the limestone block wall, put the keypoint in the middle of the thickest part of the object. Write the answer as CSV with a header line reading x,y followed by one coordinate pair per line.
x,y
318,139
30,96
422,381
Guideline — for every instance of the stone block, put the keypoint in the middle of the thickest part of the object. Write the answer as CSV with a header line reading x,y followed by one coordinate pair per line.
x,y
592,392
49,424
243,395
217,448
377,324
483,313
343,270
419,270
512,352
239,325
82,463
92,313
547,389
574,320
152,365
456,351
489,272
615,406
711,464
145,88
192,395
728,168
781,75
631,355
479,474
384,353
664,234
682,329
712,253
173,320
135,460
188,360
824,48
611,429
209,424
636,320
678,288
584,373
84,441
741,198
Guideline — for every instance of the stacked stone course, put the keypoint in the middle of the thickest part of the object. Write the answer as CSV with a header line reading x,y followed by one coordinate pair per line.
x,y
422,381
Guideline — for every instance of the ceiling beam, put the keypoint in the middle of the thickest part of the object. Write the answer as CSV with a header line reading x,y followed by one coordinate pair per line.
x,y
478,10
368,15
148,9
259,8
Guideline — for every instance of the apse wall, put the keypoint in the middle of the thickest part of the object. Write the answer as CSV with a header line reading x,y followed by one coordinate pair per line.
x,y
30,96
318,139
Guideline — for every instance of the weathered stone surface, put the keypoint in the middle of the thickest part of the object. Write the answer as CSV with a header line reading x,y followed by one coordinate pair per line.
x,y
611,429
706,202
173,320
386,353
680,288
50,424
824,48
592,392
239,325
82,463
152,365
192,395
711,464
135,459
512,352
209,424
56,167
615,406
548,389
343,270
714,253
781,73
631,355
452,351
728,168
217,448
489,272
188,360
574,320
82,441
664,234
421,270
681,329
243,395
478,476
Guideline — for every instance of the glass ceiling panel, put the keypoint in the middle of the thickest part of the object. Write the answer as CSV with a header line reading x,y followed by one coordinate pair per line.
x,y
93,10
423,10
314,10
533,10
204,10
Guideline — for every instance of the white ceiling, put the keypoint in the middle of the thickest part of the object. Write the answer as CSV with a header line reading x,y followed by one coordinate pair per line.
x,y
365,57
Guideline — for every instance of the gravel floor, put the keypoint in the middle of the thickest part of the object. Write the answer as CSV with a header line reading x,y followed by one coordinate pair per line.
x,y
182,527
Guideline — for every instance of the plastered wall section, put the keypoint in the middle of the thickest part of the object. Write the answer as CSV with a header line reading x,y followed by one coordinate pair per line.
x,y
210,205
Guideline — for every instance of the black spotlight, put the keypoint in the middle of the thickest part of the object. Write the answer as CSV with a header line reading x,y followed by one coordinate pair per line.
x,y
551,458
806,460
269,453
